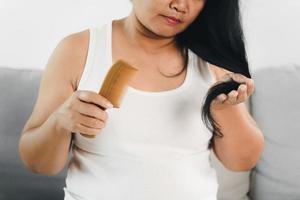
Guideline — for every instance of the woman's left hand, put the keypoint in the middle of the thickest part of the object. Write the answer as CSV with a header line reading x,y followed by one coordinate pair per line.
x,y
234,97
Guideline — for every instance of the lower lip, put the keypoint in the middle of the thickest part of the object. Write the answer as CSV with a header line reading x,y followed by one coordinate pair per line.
x,y
172,21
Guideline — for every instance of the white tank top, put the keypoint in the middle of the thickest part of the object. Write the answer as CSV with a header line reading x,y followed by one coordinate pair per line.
x,y
154,147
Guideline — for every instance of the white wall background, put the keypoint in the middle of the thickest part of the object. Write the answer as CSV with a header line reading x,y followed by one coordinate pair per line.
x,y
31,29
272,31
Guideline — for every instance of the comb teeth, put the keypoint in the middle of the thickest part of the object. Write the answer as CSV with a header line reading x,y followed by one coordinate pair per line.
x,y
116,81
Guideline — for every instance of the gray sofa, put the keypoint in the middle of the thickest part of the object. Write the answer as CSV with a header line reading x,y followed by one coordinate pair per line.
x,y
275,105
19,89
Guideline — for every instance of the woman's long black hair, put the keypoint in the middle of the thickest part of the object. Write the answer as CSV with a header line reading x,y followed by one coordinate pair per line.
x,y
216,36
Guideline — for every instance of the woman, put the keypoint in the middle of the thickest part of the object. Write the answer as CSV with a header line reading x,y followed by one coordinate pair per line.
x,y
154,146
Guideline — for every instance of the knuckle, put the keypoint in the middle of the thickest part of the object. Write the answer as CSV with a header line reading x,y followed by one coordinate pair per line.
x,y
79,94
104,101
105,115
87,95
102,98
95,131
85,130
219,98
96,123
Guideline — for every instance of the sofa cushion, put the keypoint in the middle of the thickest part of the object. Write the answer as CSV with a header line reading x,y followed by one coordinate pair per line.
x,y
19,89
276,108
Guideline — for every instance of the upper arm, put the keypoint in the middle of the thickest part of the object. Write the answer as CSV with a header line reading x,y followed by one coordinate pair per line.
x,y
60,77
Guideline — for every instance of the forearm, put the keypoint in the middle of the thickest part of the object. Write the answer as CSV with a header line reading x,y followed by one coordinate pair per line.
x,y
45,149
240,147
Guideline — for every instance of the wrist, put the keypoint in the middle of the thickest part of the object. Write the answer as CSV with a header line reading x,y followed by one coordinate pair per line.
x,y
58,129
221,109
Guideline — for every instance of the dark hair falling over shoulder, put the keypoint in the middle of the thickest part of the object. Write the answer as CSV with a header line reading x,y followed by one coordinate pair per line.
x,y
216,36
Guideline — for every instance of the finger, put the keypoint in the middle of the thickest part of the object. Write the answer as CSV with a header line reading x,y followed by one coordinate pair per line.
x,y
250,87
93,97
242,93
91,122
80,128
218,99
91,110
232,97
221,98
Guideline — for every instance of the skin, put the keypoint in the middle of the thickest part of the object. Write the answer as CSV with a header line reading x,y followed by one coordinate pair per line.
x,y
145,33
243,141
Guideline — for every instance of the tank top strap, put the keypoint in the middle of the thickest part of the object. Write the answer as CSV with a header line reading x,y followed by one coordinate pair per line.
x,y
97,62
202,70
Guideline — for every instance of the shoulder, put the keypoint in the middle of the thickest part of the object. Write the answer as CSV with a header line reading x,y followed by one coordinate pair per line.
x,y
77,42
71,52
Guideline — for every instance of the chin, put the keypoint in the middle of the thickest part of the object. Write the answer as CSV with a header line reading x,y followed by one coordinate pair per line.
x,y
167,31
164,30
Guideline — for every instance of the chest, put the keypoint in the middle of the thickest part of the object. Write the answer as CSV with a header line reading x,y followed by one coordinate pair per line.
x,y
156,73
154,125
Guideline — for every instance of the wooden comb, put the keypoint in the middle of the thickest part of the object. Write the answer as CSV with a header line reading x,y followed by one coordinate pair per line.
x,y
115,84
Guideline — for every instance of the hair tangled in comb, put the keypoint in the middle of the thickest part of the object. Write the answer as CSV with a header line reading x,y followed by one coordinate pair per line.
x,y
216,36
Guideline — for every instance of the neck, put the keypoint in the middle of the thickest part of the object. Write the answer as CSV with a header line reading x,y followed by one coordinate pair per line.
x,y
140,36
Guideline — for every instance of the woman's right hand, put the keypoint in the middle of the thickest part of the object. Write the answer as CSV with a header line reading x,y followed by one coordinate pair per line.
x,y
83,112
